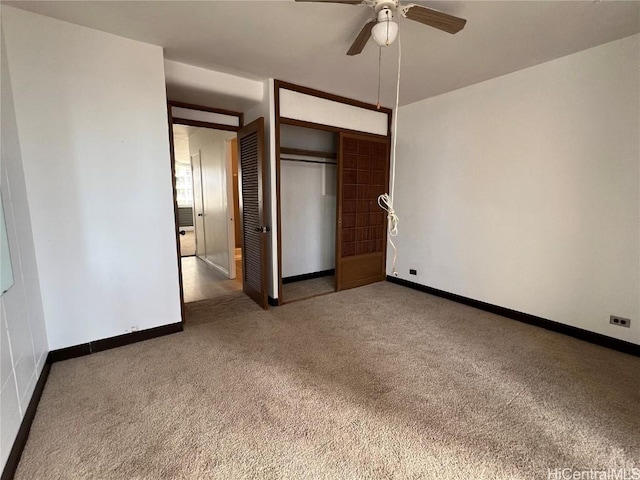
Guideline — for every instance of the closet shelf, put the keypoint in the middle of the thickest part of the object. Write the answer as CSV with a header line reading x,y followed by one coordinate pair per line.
x,y
308,153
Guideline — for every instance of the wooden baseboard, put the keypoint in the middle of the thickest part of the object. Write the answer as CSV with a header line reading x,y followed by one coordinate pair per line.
x,y
25,426
113,342
75,351
308,276
586,335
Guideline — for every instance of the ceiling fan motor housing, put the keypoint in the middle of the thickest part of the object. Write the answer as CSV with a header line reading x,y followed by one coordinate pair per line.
x,y
385,15
390,4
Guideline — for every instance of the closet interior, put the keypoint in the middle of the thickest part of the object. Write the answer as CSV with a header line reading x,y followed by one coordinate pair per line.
x,y
308,188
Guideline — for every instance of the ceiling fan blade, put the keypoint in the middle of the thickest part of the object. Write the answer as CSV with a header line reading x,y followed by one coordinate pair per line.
x,y
346,2
434,18
361,40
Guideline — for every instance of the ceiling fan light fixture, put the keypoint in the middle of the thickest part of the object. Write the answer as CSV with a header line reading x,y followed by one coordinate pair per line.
x,y
385,32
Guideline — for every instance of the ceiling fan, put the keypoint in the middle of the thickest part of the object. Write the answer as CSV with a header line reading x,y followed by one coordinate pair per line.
x,y
384,30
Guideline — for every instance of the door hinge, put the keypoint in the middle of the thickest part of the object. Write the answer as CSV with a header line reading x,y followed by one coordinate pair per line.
x,y
263,229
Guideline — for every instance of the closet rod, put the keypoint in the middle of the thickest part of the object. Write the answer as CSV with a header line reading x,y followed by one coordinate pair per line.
x,y
307,161
307,153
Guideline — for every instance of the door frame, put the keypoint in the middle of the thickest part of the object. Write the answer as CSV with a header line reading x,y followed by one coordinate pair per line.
x,y
279,120
181,121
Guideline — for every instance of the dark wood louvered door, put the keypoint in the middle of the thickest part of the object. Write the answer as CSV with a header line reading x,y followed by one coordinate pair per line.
x,y
251,175
363,175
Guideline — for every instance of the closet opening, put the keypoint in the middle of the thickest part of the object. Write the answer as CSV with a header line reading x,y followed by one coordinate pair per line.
x,y
308,193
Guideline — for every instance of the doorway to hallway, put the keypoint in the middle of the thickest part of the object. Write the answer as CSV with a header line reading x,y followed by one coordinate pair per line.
x,y
226,191
206,175
201,282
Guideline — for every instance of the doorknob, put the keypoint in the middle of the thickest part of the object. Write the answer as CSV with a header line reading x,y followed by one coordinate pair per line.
x,y
200,215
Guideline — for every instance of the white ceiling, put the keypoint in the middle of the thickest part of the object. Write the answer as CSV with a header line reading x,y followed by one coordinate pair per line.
x,y
305,43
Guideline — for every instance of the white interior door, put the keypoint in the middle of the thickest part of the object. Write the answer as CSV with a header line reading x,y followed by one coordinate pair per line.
x,y
198,205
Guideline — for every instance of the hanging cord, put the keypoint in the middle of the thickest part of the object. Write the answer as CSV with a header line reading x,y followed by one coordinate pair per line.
x,y
379,65
385,201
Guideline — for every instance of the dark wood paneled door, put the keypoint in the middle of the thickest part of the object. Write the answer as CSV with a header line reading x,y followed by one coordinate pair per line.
x,y
251,175
363,175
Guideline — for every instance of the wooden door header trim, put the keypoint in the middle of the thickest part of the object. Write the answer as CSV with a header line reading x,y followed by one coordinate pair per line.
x,y
198,123
329,96
365,136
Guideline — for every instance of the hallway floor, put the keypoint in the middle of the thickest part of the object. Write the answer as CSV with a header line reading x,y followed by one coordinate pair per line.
x,y
203,282
188,243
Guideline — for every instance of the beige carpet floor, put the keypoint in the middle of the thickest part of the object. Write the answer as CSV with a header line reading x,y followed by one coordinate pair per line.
x,y
225,306
294,291
379,382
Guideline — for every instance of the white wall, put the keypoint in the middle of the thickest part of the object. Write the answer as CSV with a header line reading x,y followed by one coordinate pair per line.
x,y
308,209
92,122
523,191
23,337
308,219
213,160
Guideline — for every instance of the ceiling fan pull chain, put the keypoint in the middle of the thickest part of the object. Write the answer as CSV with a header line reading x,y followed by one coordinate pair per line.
x,y
388,21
